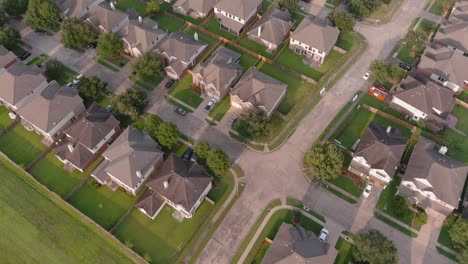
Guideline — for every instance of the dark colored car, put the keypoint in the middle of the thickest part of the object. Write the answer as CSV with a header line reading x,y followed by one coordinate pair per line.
x,y
179,110
170,83
40,32
405,66
187,154
25,55
92,45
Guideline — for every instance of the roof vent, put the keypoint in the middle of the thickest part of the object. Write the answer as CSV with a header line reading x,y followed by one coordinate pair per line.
x,y
138,173
166,184
443,150
388,130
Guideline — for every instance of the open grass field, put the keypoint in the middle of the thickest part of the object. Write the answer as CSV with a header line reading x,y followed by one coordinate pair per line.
x,y
21,146
5,119
37,227
181,90
438,8
162,239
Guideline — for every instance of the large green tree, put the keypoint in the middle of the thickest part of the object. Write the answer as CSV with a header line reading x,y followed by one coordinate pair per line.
x,y
362,8
292,5
152,8
42,15
202,150
15,7
131,103
54,70
109,45
91,88
148,66
325,161
459,234
165,133
417,39
253,125
373,247
3,17
343,20
386,72
9,37
76,34
218,162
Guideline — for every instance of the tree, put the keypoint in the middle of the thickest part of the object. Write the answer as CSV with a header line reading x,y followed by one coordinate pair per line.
x,y
3,17
152,124
42,15
76,34
91,88
417,39
167,135
252,125
148,66
343,20
131,103
400,205
373,247
324,160
9,37
218,162
109,45
362,8
292,5
15,7
152,8
463,258
54,70
386,72
202,150
459,234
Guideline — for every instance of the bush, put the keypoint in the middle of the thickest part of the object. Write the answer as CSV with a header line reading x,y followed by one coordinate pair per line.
x,y
400,206
324,160
420,219
218,162
54,70
253,125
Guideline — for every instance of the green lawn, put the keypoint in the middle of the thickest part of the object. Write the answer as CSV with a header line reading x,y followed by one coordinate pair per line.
x,y
139,6
37,60
345,249
461,114
221,108
444,237
106,64
427,26
181,90
118,61
347,185
347,41
160,239
395,225
168,23
374,102
5,119
384,10
21,146
37,227
437,8
246,61
265,5
459,145
102,204
355,128
255,47
298,204
190,19
447,254
213,26
405,55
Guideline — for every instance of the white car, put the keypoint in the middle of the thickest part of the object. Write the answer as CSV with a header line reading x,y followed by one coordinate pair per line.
x,y
367,75
77,79
368,189
323,235
210,105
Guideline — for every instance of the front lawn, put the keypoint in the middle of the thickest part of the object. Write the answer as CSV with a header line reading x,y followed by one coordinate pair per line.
x,y
347,185
355,128
427,26
444,237
21,146
5,119
138,5
347,41
345,250
221,108
213,26
37,60
459,145
384,10
181,90
438,9
168,23
405,55
162,239
102,204
461,114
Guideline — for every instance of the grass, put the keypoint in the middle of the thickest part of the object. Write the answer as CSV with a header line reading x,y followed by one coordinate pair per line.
x,y
5,119
221,108
384,10
172,101
102,204
298,204
293,61
405,55
461,113
18,50
37,60
37,227
437,8
135,4
190,19
347,185
181,90
427,26
333,2
444,237
255,47
345,249
447,254
160,239
213,26
265,5
21,146
107,65
168,23
459,145
118,61
339,194
246,61
212,42
347,41
395,225
143,85
355,128
239,172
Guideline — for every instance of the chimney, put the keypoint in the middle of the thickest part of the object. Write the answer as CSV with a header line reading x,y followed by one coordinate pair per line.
x,y
140,19
388,130
70,147
195,36
443,150
166,184
259,31
112,5
138,173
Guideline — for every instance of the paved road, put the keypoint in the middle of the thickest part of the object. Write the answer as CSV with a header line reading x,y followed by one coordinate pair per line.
x,y
279,174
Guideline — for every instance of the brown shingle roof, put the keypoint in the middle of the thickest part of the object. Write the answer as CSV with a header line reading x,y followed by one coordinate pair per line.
x,y
239,8
142,35
73,8
6,57
103,15
201,6
181,46
18,81
150,202
319,36
275,25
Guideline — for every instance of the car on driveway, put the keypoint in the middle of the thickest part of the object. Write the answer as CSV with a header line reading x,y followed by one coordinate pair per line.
x,y
367,75
179,110
77,79
210,105
232,120
25,55
170,83
368,189
405,66
323,235
187,154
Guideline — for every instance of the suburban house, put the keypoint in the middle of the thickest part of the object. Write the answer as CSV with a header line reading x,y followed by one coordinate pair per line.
x,y
445,58
234,15
428,102
20,84
7,59
181,184
180,52
52,110
194,8
314,40
258,90
87,138
76,8
215,76
295,245
140,36
272,28
129,161
105,18
378,154
432,179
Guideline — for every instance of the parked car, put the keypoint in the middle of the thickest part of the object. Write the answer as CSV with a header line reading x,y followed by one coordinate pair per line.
x,y
187,154
40,32
109,108
25,55
170,83
323,235
179,110
77,79
232,120
70,84
367,75
194,158
92,45
210,105
405,66
368,189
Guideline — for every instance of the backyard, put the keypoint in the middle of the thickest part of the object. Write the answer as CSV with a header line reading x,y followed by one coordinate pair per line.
x,y
461,114
213,26
123,5
181,90
5,119
21,146
246,60
459,145
256,47
438,8
168,23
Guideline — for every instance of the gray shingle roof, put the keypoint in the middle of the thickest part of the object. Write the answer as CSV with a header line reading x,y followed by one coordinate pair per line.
x,y
180,46
239,8
319,36
18,81
275,25
201,6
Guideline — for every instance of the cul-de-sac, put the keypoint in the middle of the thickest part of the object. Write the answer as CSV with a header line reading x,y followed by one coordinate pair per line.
x,y
234,131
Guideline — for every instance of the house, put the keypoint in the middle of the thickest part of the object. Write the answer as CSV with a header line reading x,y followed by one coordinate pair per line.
x,y
232,15
181,184
432,179
129,161
314,40
428,102
76,8
258,90
140,36
378,154
180,52
20,84
272,28
295,245
52,110
194,8
7,59
87,138
105,18
215,76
